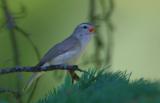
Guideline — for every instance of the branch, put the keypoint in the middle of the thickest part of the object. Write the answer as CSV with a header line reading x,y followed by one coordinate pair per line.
x,y
26,35
21,14
13,92
10,26
98,41
107,11
10,22
4,90
107,8
40,68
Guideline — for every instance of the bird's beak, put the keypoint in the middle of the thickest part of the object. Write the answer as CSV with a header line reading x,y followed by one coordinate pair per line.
x,y
91,29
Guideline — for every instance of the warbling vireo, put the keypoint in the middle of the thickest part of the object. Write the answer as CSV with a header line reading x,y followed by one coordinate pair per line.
x,y
67,51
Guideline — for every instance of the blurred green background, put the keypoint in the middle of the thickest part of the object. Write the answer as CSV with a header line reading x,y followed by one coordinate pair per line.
x,y
136,35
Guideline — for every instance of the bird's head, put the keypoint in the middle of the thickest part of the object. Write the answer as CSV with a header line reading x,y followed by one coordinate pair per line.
x,y
84,30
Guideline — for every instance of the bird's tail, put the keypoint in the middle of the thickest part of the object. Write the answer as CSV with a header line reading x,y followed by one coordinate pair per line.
x,y
32,79
36,76
74,76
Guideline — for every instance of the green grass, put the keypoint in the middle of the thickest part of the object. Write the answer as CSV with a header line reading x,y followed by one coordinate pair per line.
x,y
105,87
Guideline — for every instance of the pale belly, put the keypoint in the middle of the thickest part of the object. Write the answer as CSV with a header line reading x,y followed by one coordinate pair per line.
x,y
66,58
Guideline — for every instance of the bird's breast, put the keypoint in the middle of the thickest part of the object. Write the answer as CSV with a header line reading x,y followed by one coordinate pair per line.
x,y
68,57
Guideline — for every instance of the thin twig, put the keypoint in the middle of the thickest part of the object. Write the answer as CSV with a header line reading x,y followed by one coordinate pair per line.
x,y
13,92
107,11
107,7
98,42
26,35
33,91
20,14
6,90
39,69
11,28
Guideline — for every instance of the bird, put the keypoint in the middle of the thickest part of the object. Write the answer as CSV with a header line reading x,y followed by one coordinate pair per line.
x,y
67,51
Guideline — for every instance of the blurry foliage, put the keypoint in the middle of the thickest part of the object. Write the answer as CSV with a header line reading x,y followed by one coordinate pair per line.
x,y
105,87
10,25
19,43
100,13
94,87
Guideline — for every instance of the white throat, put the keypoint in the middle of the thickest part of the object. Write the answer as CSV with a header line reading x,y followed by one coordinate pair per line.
x,y
84,41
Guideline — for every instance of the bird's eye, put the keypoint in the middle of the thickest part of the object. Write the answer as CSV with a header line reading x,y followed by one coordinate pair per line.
x,y
85,27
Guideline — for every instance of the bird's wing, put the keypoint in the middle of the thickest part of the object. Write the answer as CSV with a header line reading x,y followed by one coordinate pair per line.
x,y
68,44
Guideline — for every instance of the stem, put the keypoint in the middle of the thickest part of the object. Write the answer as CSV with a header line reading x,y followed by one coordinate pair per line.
x,y
26,35
107,13
11,26
98,42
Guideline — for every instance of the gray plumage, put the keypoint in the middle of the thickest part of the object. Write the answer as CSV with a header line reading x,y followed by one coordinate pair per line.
x,y
66,51
68,44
